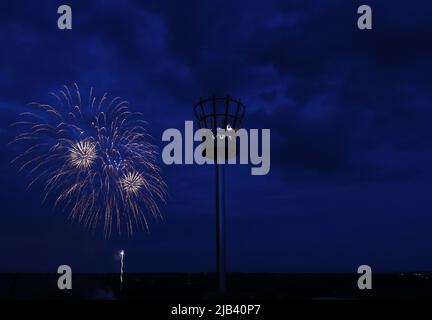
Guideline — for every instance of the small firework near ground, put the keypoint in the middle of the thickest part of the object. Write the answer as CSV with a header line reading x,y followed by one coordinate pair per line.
x,y
94,156
122,253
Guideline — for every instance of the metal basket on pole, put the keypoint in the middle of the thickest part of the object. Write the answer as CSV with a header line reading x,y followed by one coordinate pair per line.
x,y
220,113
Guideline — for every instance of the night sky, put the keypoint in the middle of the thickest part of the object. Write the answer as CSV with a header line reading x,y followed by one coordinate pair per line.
x,y
349,112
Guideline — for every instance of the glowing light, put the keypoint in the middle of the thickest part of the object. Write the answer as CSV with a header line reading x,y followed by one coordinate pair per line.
x,y
92,155
121,267
82,154
132,182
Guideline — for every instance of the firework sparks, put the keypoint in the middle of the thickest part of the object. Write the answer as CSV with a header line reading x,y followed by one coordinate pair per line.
x,y
122,253
132,183
82,154
94,157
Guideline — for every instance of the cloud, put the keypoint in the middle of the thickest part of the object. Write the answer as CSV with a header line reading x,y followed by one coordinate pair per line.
x,y
346,108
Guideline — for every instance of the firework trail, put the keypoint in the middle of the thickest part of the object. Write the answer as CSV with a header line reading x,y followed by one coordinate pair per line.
x,y
121,267
94,157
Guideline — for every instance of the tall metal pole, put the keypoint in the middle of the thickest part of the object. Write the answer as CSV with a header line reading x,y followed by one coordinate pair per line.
x,y
220,232
212,119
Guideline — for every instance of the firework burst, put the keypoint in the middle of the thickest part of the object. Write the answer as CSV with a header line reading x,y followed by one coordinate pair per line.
x,y
132,183
82,154
94,157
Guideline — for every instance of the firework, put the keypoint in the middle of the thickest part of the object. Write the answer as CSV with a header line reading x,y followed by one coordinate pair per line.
x,y
82,154
95,159
122,253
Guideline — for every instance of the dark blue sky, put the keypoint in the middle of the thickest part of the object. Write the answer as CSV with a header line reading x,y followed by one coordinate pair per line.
x,y
351,171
